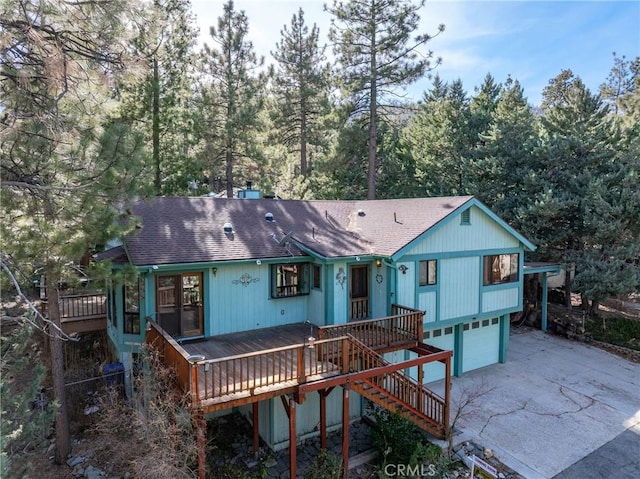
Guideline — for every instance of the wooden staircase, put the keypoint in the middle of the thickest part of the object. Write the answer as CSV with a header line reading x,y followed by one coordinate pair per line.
x,y
397,392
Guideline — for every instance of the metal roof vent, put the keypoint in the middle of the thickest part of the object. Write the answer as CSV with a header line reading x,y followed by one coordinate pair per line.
x,y
228,229
361,212
269,217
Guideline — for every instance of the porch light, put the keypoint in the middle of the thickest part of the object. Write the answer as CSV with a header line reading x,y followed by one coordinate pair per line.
x,y
378,262
403,268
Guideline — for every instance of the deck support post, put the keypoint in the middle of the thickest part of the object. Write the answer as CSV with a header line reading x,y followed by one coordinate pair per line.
x,y
323,418
292,439
256,430
447,394
345,431
200,424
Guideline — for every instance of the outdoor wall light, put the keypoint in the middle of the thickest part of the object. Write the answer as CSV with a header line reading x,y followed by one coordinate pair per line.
x,y
214,271
403,268
378,262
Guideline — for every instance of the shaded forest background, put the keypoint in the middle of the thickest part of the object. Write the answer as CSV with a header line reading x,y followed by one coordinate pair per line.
x,y
101,101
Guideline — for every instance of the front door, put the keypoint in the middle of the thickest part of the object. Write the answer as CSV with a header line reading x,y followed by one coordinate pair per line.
x,y
179,304
359,292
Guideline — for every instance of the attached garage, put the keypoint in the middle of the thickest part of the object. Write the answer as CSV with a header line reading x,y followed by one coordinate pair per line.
x,y
442,338
481,344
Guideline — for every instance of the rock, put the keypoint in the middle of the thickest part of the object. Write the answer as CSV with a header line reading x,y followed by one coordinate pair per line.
x,y
74,461
93,473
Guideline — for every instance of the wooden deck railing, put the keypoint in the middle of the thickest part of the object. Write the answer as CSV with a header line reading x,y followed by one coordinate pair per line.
x,y
263,371
83,305
404,389
74,306
403,326
171,353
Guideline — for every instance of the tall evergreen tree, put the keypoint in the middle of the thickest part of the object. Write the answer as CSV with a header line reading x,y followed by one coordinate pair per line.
x,y
506,155
161,106
300,87
571,212
236,96
441,141
373,45
65,157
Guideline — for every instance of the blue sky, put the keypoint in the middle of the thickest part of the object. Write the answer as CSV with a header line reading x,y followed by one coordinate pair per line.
x,y
533,41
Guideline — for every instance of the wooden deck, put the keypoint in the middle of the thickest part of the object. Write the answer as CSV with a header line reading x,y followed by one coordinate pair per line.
x,y
242,368
81,313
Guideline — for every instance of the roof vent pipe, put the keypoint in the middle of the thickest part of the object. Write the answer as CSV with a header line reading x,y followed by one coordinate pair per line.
x,y
269,217
228,229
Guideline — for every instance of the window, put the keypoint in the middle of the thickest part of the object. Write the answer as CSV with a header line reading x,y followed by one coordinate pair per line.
x,y
428,272
131,300
289,279
316,276
500,268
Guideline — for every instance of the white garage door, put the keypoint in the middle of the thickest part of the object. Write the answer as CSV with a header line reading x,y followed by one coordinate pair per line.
x,y
440,338
481,344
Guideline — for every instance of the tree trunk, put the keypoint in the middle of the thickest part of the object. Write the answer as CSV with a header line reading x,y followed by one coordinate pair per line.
x,y
63,439
229,171
567,285
373,119
156,127
303,139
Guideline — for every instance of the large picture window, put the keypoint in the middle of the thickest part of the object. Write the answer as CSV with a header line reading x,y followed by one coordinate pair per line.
x,y
290,279
428,272
500,268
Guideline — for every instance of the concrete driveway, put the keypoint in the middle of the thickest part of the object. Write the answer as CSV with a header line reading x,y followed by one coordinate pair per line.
x,y
556,406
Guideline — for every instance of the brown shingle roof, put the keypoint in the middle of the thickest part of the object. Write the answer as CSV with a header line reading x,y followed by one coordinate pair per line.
x,y
190,229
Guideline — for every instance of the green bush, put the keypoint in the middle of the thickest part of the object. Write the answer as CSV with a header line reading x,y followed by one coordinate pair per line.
x,y
325,466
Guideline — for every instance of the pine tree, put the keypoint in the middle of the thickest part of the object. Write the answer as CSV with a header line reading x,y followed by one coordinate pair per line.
x,y
235,99
440,140
66,159
300,87
577,200
373,45
161,106
507,154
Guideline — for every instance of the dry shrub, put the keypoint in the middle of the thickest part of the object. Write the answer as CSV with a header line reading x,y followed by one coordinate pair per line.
x,y
153,431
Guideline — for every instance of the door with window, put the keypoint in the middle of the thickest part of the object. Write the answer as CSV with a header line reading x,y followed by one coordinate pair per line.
x,y
179,304
359,292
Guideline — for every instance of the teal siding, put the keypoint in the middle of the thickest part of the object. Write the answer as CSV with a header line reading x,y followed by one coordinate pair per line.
x,y
501,299
406,284
379,291
240,306
483,233
428,302
340,284
459,288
